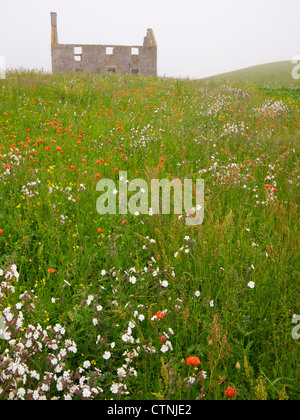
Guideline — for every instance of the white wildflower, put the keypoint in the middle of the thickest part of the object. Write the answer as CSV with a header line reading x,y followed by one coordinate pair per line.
x,y
89,300
107,355
132,279
164,283
86,364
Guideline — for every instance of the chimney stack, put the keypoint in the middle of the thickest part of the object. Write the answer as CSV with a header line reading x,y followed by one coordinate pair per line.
x,y
54,39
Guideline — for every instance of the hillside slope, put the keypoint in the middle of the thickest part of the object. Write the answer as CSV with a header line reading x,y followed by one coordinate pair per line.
x,y
277,74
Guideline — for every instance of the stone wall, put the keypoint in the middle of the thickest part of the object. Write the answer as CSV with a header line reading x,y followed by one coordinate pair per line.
x,y
136,59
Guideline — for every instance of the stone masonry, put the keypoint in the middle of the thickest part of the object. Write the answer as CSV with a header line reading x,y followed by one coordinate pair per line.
x,y
140,59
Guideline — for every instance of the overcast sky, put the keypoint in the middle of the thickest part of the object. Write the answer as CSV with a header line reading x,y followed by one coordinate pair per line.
x,y
196,38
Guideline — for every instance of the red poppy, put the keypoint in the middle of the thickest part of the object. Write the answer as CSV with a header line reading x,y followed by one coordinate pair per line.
x,y
51,270
193,361
72,167
1,231
230,392
160,314
100,230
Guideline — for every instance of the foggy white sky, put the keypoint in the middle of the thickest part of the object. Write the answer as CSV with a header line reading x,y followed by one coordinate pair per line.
x,y
196,38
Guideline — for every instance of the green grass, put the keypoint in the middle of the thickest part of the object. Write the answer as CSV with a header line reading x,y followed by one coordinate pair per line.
x,y
274,75
60,134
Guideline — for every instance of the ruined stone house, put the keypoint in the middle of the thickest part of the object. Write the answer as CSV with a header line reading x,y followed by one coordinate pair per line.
x,y
135,59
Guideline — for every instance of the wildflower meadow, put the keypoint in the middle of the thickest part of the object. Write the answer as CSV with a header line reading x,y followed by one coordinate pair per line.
x,y
135,306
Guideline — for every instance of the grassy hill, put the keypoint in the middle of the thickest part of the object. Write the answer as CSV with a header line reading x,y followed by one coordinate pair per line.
x,y
276,75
